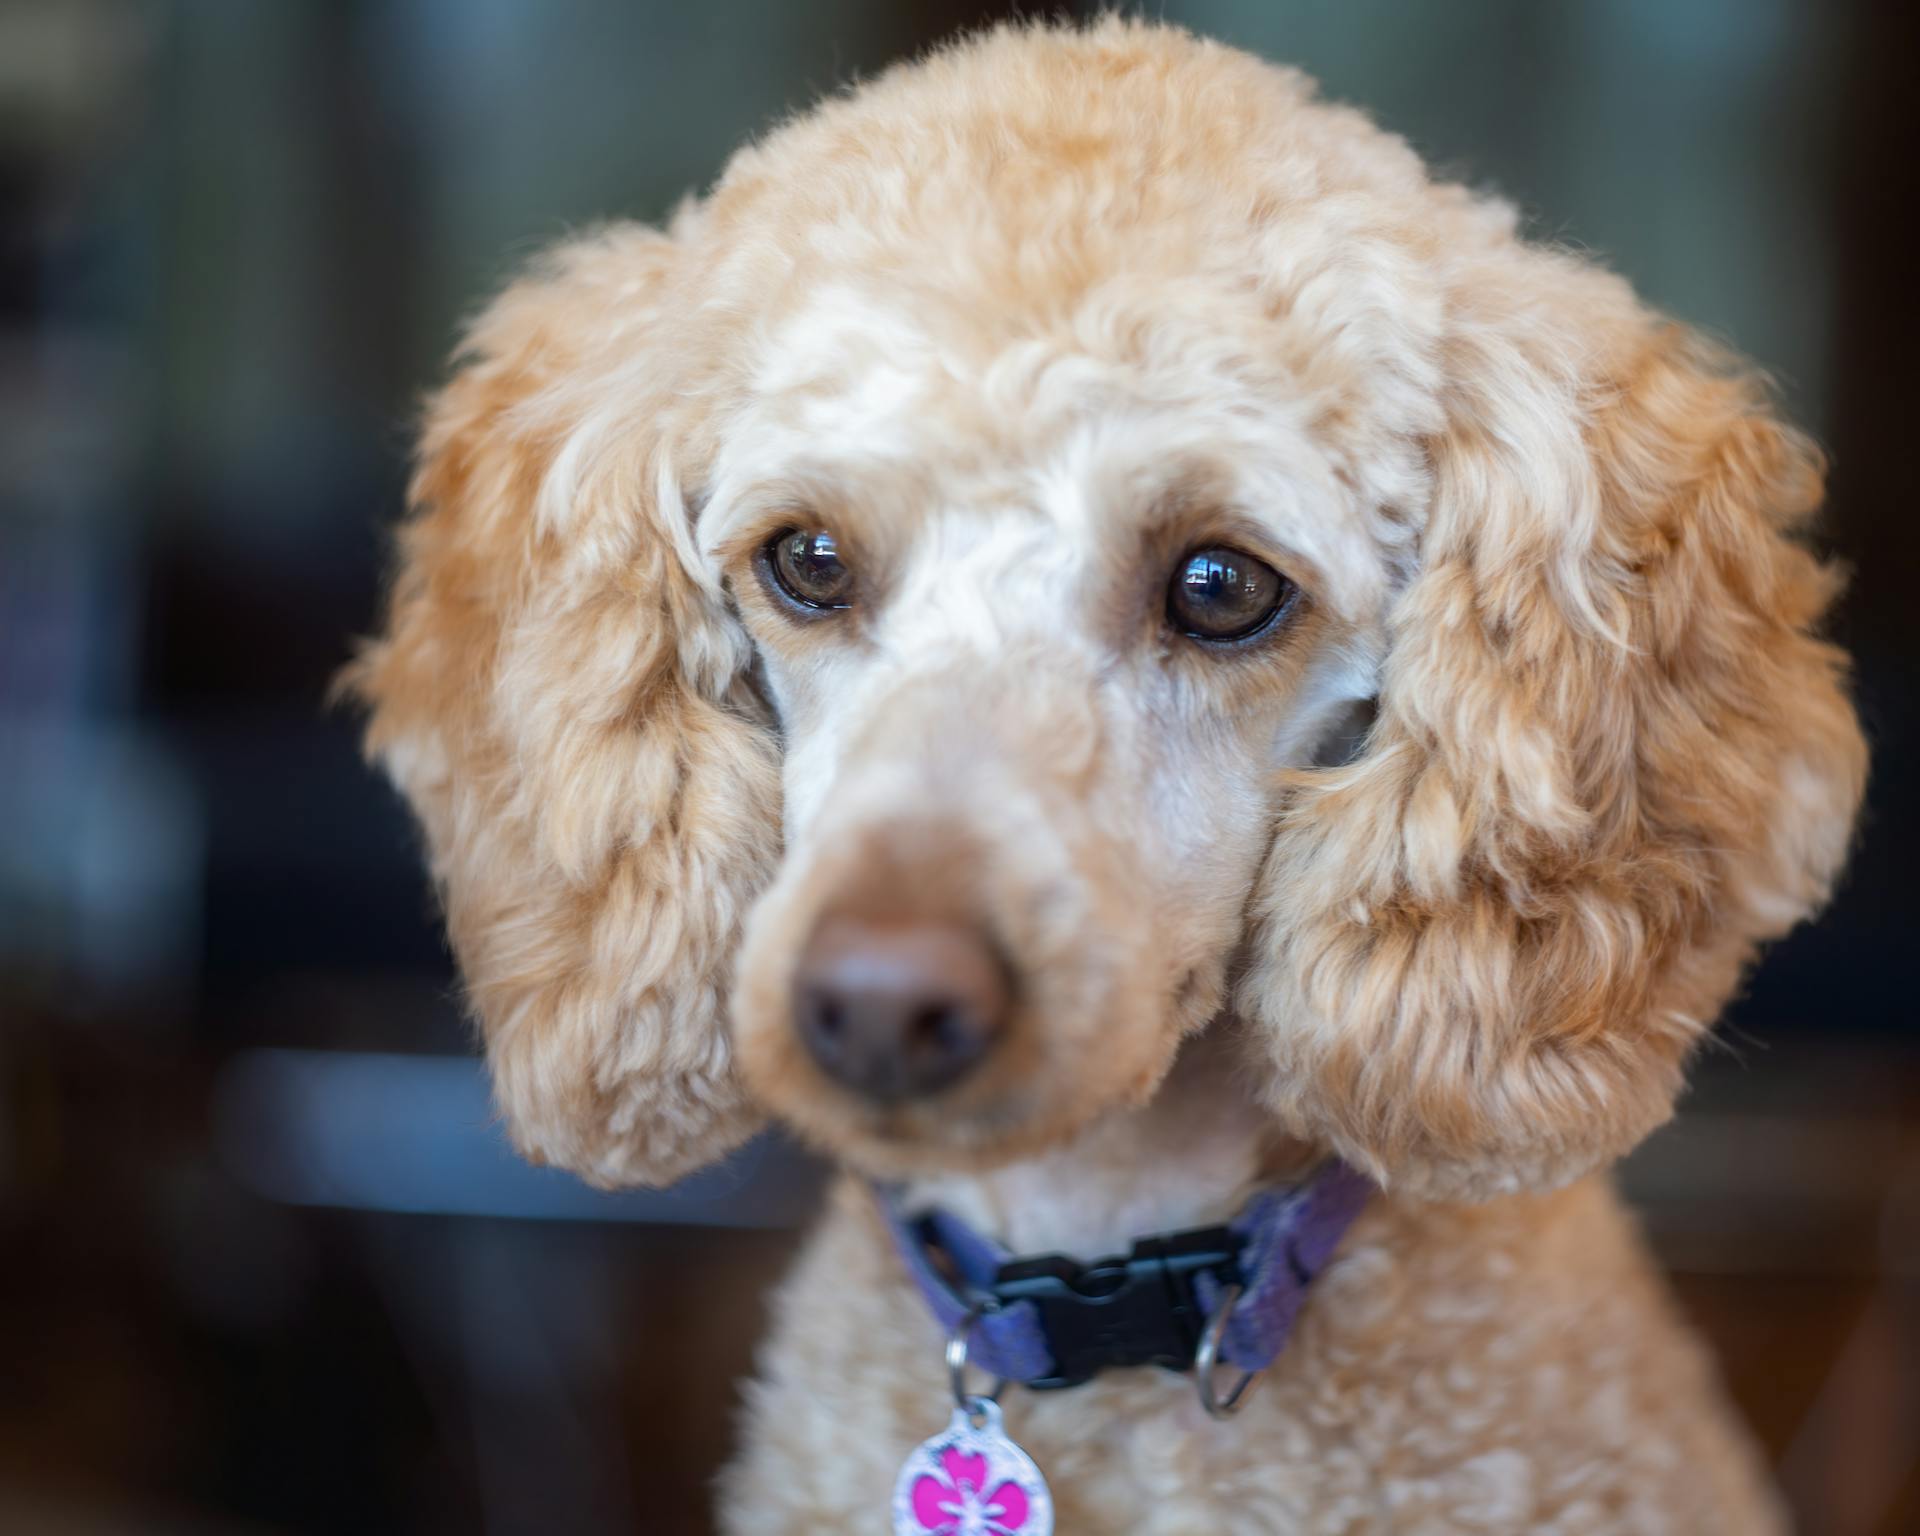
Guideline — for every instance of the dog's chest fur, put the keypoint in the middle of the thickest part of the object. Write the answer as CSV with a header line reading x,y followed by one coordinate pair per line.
x,y
1507,1367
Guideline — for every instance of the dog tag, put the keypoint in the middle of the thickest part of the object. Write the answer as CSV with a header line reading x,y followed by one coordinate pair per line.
x,y
971,1480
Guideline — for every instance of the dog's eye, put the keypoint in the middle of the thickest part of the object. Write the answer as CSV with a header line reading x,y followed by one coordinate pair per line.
x,y
807,566
1219,593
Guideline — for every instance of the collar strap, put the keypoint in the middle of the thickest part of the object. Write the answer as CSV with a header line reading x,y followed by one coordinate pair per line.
x,y
1051,1321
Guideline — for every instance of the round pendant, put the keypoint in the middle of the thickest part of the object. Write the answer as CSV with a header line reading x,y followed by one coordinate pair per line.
x,y
971,1480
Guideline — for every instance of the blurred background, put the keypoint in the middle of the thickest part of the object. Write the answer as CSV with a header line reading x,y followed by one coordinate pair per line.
x,y
265,1264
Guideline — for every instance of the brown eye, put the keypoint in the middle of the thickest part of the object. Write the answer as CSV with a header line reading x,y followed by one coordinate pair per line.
x,y
1224,594
806,565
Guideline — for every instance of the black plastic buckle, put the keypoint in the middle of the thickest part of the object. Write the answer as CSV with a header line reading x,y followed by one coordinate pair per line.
x,y
1138,1310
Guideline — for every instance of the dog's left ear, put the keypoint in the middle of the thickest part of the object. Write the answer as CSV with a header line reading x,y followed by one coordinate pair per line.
x,y
561,692
1611,757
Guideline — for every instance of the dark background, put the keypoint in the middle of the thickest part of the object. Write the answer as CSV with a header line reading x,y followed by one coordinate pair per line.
x,y
264,1263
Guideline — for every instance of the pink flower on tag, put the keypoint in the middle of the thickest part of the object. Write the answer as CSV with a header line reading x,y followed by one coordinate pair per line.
x,y
955,1505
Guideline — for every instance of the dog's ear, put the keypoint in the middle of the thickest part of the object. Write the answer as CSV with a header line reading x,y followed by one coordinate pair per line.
x,y
1611,758
560,692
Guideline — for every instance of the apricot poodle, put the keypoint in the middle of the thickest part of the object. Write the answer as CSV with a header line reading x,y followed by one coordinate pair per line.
x,y
1209,721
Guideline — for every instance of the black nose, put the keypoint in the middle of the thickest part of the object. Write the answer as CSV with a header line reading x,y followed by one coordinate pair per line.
x,y
898,1010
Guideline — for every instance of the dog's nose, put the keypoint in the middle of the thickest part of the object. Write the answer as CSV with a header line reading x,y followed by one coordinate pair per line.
x,y
898,1010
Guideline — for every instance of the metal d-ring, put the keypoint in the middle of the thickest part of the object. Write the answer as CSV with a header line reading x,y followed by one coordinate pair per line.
x,y
957,1363
1207,1356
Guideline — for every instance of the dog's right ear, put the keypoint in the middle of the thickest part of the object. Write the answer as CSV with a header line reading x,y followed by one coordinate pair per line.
x,y
561,694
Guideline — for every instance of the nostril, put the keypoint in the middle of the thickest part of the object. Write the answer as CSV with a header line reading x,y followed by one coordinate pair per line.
x,y
829,1018
938,1027
942,1042
823,1024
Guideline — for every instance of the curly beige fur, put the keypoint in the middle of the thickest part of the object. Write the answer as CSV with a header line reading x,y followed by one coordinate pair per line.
x,y
1020,324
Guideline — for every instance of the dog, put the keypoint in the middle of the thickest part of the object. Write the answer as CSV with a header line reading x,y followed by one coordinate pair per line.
x,y
1170,691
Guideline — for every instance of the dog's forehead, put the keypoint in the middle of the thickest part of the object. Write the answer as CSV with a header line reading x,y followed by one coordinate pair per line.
x,y
879,370
847,358
1007,448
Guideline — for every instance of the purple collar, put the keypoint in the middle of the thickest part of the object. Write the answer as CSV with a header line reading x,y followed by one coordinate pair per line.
x,y
1051,1321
